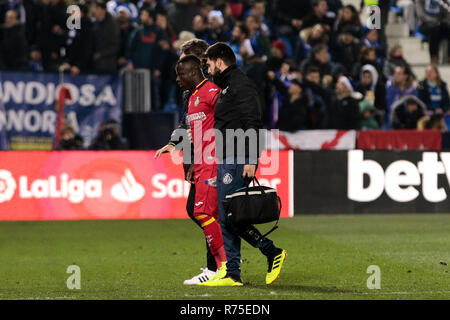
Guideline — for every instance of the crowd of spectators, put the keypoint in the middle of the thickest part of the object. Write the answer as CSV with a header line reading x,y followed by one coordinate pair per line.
x,y
316,65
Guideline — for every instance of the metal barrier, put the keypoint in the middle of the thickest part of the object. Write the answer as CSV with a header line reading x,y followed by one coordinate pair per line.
x,y
137,91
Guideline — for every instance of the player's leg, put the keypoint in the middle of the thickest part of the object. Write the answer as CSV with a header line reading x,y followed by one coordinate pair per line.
x,y
206,212
210,261
211,268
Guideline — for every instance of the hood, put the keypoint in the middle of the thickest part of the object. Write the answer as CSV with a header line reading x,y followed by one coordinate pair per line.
x,y
373,72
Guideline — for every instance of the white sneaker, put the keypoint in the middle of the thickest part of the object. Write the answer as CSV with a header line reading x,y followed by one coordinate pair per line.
x,y
202,277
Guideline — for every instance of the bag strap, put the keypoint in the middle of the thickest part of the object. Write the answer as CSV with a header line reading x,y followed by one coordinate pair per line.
x,y
275,227
250,180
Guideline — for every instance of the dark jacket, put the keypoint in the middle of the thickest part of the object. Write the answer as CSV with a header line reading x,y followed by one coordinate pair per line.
x,y
238,107
401,118
423,91
79,52
13,47
345,115
293,115
144,49
107,42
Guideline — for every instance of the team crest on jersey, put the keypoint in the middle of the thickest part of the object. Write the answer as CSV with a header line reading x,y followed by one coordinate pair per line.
x,y
227,178
224,91
197,101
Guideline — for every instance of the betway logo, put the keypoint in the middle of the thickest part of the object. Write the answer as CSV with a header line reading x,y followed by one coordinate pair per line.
x,y
400,178
74,190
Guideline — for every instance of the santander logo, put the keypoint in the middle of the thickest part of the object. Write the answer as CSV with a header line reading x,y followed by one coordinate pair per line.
x,y
127,190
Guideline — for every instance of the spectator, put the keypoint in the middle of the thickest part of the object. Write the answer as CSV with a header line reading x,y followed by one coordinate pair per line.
x,y
371,87
181,13
434,22
79,45
293,114
371,40
152,5
13,45
200,27
394,60
344,112
113,7
367,55
35,60
70,140
346,50
290,14
433,91
433,122
126,27
215,30
108,137
278,55
107,39
348,17
319,15
314,36
319,58
368,121
52,34
260,43
400,85
240,43
144,51
169,59
406,113
258,9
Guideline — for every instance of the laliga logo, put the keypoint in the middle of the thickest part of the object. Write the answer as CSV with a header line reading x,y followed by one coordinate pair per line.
x,y
7,185
74,190
127,190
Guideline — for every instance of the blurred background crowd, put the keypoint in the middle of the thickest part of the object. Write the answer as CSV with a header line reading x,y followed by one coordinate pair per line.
x,y
318,65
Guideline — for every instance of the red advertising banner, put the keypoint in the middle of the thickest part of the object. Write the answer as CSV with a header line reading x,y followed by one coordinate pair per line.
x,y
73,185
400,140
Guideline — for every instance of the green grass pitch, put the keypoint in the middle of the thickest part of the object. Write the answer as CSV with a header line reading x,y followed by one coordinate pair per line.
x,y
328,256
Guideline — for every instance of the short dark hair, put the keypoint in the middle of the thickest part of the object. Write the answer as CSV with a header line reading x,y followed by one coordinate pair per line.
x,y
196,47
312,69
192,61
150,12
243,28
223,51
101,4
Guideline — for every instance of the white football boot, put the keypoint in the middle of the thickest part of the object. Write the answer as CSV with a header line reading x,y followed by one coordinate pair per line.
x,y
202,277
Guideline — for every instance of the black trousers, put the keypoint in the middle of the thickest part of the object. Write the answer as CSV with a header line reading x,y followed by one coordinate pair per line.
x,y
435,33
210,260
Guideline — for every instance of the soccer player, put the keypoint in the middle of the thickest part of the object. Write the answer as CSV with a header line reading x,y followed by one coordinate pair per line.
x,y
197,47
201,108
238,108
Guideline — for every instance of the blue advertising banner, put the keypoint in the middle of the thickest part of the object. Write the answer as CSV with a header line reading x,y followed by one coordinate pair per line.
x,y
28,114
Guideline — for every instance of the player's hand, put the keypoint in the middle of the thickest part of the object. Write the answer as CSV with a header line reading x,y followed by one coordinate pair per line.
x,y
249,171
190,175
166,148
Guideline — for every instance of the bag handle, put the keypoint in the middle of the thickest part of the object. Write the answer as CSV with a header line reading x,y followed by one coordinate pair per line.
x,y
250,181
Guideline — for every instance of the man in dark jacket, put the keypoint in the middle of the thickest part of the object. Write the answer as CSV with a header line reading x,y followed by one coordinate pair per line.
x,y
79,45
107,39
344,112
13,45
145,52
237,108
407,112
